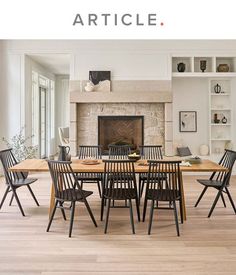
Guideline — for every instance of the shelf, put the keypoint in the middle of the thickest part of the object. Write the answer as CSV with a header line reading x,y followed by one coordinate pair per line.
x,y
222,109
221,139
220,94
207,74
220,124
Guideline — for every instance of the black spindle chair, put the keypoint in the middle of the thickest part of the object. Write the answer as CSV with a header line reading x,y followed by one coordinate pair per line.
x,y
163,184
220,181
94,152
67,189
14,180
119,151
148,152
119,184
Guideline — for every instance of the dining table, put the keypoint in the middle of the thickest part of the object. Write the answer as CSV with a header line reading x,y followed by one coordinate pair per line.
x,y
79,166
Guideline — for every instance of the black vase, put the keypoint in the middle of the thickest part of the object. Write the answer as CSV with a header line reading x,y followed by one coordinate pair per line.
x,y
181,67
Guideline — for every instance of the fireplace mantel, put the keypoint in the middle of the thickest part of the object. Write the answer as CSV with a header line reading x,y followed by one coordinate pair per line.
x,y
129,91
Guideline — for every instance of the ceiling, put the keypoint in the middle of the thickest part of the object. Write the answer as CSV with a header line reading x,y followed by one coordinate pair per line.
x,y
55,63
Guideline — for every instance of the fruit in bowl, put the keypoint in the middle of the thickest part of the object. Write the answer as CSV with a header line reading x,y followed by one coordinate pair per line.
x,y
134,156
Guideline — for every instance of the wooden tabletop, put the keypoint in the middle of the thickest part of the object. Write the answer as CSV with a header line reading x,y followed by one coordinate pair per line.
x,y
40,165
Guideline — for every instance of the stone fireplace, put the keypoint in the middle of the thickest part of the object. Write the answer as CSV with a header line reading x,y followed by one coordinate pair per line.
x,y
149,102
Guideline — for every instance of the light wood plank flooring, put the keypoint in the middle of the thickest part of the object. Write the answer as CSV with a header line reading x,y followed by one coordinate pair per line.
x,y
206,246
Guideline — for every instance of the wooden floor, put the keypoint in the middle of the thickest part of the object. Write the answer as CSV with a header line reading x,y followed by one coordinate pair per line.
x,y
206,246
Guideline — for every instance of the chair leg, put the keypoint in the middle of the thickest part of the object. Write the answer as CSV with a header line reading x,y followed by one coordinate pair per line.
x,y
139,189
151,217
99,188
137,207
181,210
72,213
62,210
176,218
4,196
131,216
12,196
200,197
90,212
18,202
144,209
230,199
142,187
107,217
52,215
102,208
223,200
215,202
32,194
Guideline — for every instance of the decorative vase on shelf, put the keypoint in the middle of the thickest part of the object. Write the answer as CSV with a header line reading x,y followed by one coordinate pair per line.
x,y
216,120
203,65
224,120
217,88
223,68
181,67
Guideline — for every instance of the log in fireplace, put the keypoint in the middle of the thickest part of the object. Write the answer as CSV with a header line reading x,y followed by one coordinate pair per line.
x,y
120,130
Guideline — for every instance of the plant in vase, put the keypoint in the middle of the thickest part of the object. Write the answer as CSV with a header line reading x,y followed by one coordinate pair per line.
x,y
19,146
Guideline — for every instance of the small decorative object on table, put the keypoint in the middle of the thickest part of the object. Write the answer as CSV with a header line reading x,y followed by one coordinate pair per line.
x,y
134,156
217,88
223,68
203,65
194,160
224,120
181,67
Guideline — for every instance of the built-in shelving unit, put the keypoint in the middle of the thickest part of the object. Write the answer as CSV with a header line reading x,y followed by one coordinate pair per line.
x,y
198,93
220,132
193,69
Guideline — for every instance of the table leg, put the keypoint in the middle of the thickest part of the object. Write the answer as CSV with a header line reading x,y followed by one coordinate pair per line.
x,y
183,199
52,200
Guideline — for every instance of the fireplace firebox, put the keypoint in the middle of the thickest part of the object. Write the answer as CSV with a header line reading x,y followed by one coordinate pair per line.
x,y
127,130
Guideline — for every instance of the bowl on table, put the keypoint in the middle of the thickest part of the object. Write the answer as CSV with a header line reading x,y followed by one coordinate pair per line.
x,y
134,157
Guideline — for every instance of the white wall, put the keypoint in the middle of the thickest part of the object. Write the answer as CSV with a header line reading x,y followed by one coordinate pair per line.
x,y
191,94
127,59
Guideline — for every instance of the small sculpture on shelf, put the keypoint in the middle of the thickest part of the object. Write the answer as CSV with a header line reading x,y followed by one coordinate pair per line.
x,y
224,120
181,67
217,88
203,65
216,120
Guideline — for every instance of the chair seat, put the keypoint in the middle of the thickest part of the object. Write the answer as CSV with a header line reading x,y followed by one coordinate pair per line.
x,y
163,195
120,194
72,195
210,183
21,182
89,176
